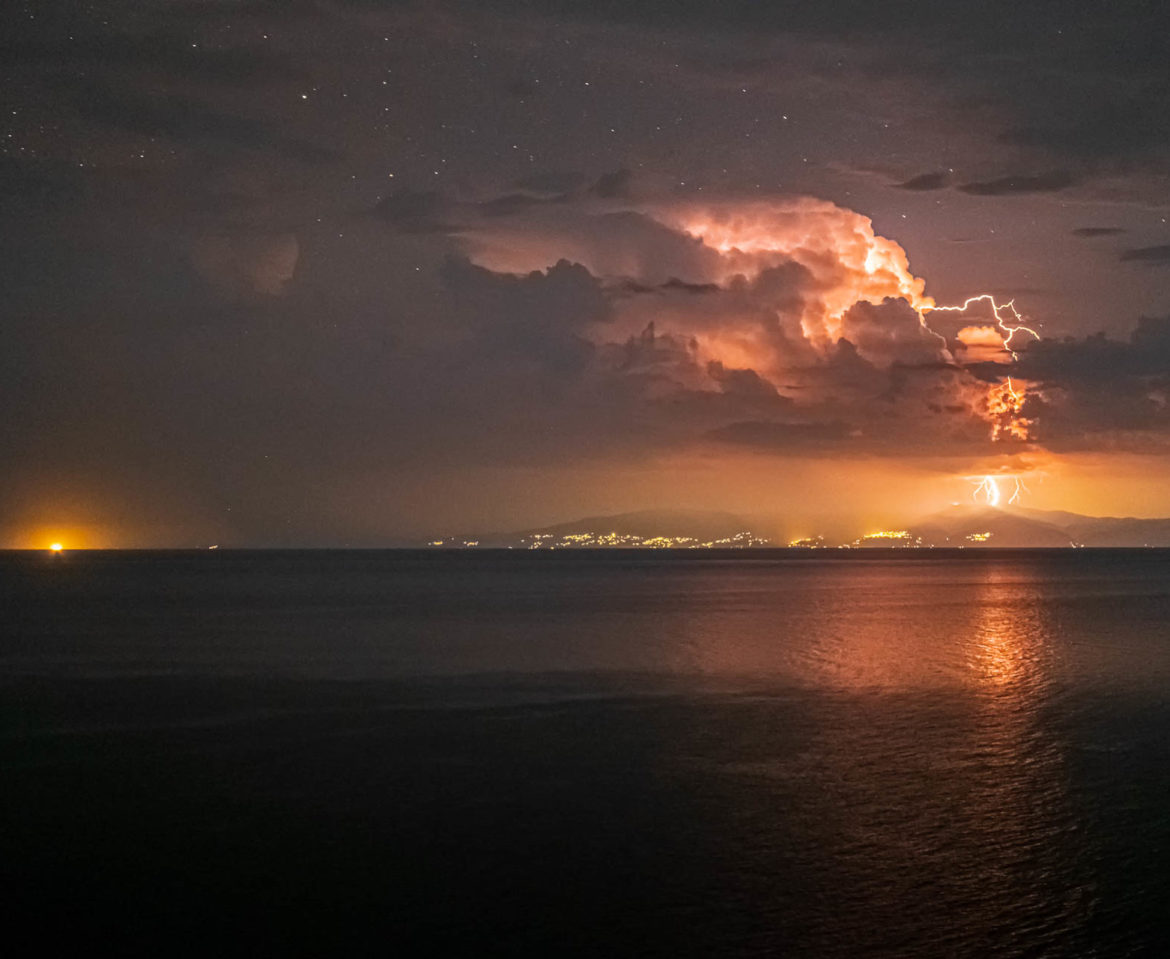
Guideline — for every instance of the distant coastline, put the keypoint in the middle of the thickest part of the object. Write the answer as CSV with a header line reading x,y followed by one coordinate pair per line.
x,y
960,527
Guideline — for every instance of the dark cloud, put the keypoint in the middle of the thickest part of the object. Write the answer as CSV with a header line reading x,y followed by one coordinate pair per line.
x,y
538,316
242,264
624,243
551,183
1098,392
1100,359
432,211
1052,182
427,211
262,11
648,350
152,54
39,183
674,283
1083,84
1120,116
927,181
1017,27
1154,255
891,332
603,242
510,204
615,184
745,383
186,120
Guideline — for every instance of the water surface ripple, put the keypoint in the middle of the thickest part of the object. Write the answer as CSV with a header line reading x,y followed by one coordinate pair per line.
x,y
747,754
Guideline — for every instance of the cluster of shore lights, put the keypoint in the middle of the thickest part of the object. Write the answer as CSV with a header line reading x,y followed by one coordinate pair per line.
x,y
55,547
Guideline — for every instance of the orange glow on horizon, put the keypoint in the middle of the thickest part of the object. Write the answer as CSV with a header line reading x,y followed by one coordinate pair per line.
x,y
52,539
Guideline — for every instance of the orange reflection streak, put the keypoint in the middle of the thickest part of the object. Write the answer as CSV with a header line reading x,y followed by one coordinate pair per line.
x,y
1008,648
999,660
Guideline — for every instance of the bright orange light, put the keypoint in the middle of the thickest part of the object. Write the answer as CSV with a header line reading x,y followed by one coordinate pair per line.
x,y
986,336
987,490
60,537
1004,402
851,262
838,247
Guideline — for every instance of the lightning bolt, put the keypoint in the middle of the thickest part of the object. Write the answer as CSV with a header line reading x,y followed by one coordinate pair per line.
x,y
1004,401
987,489
1011,326
1020,488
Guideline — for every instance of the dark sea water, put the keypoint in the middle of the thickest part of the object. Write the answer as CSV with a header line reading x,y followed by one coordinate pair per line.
x,y
614,754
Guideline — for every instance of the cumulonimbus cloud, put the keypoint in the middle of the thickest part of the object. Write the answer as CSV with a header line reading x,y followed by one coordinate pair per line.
x,y
766,323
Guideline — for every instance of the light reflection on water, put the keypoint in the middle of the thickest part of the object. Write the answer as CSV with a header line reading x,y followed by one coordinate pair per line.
x,y
922,782
748,756
1035,865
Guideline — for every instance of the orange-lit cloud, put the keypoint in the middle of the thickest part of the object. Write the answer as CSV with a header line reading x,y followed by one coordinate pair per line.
x,y
798,297
847,262
1004,403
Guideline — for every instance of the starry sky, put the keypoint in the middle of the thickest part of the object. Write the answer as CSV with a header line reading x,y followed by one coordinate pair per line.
x,y
325,273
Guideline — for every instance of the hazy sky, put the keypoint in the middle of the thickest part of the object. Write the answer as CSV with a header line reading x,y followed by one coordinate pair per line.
x,y
323,273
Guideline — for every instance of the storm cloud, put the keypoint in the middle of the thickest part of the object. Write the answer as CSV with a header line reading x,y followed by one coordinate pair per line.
x,y
283,271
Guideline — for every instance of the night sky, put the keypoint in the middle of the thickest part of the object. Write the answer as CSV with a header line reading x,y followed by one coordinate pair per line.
x,y
318,273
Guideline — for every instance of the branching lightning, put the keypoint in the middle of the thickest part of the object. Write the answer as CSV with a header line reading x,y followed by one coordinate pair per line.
x,y
1011,326
1004,401
871,269
987,490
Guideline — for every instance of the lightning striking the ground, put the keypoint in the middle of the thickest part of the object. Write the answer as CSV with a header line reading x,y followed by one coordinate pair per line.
x,y
987,490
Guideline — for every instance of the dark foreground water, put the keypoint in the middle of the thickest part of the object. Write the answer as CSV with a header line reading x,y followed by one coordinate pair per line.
x,y
909,754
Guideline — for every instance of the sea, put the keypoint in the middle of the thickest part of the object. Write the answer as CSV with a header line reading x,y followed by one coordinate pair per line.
x,y
830,753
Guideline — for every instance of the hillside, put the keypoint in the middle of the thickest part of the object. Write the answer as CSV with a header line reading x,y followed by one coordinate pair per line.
x,y
989,527
640,529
